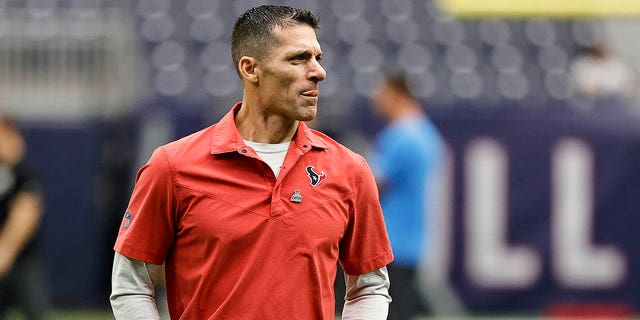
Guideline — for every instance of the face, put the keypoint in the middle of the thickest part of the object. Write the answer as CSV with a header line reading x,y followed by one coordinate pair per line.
x,y
290,73
11,145
383,99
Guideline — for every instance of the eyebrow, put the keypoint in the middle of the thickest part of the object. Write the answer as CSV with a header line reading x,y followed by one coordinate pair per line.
x,y
305,52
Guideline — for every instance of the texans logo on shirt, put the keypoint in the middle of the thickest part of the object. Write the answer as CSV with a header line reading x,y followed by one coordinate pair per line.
x,y
315,177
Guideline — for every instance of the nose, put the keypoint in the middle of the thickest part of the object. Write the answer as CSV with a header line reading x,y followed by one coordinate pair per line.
x,y
316,72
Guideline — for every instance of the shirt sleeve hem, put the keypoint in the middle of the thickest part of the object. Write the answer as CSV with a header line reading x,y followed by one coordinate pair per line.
x,y
132,252
369,265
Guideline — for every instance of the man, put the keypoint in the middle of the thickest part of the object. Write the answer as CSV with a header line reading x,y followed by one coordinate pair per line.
x,y
251,215
404,158
21,283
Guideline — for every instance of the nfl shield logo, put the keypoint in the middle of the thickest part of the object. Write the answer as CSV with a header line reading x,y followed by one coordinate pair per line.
x,y
126,221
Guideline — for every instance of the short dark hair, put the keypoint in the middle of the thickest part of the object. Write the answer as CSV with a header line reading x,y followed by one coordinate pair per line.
x,y
399,82
8,122
253,35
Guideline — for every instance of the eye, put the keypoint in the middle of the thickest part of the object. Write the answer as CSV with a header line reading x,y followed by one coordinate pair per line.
x,y
298,58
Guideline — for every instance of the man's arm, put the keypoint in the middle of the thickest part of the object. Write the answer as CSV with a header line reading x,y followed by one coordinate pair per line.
x,y
367,296
132,292
25,212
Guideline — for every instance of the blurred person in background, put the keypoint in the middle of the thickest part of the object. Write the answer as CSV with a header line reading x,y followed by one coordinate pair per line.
x,y
251,215
404,158
21,283
601,79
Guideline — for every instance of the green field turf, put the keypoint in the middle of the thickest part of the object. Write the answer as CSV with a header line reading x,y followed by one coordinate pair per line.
x,y
70,315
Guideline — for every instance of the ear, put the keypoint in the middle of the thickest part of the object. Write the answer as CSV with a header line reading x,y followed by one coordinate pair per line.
x,y
248,68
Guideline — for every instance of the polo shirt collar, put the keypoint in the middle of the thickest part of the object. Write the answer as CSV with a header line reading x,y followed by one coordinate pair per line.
x,y
226,137
305,136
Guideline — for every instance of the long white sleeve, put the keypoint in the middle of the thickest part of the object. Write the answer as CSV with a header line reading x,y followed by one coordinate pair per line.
x,y
132,289
367,296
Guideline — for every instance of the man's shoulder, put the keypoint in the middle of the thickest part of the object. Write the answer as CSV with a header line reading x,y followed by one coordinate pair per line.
x,y
410,131
199,141
337,149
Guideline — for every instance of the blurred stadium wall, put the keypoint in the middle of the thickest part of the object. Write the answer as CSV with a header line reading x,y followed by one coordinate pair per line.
x,y
539,197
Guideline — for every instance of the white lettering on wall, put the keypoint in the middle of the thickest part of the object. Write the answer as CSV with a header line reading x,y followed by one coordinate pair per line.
x,y
576,261
490,261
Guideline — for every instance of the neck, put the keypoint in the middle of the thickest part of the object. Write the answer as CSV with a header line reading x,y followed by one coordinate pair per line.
x,y
405,108
257,125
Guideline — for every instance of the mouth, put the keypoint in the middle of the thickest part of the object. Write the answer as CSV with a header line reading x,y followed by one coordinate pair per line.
x,y
313,93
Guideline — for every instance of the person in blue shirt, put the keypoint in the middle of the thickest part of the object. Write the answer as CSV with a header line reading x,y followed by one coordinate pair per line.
x,y
405,156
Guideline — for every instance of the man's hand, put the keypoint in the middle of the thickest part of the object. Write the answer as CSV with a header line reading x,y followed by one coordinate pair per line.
x,y
7,259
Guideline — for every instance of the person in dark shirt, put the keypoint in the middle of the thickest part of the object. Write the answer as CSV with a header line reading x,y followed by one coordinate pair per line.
x,y
20,215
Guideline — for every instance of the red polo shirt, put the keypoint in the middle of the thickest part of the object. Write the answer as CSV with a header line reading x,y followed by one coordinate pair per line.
x,y
239,244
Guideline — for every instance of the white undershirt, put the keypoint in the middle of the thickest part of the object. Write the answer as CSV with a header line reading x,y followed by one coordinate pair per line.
x,y
272,154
